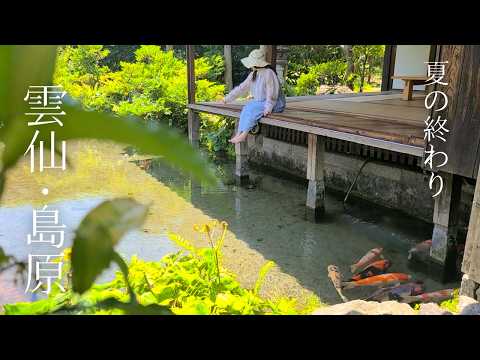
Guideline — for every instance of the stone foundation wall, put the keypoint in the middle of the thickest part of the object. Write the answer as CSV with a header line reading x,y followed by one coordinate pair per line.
x,y
385,184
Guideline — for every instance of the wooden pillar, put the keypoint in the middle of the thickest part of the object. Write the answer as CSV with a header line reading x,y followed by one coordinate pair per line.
x,y
282,62
315,175
193,119
227,54
271,54
241,161
388,67
445,220
471,257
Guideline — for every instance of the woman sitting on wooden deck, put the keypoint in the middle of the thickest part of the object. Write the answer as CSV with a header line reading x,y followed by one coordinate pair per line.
x,y
264,87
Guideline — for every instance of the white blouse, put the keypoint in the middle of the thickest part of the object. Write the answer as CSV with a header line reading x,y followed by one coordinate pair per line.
x,y
265,87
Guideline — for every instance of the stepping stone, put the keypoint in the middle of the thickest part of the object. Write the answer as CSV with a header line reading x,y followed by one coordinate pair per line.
x,y
432,309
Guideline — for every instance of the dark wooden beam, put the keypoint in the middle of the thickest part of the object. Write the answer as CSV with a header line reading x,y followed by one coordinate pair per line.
x,y
227,54
271,54
191,73
388,67
471,258
193,119
463,110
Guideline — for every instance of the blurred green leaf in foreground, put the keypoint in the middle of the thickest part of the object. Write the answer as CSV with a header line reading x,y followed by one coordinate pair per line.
x,y
24,66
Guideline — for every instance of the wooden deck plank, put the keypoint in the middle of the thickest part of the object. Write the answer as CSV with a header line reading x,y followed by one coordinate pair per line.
x,y
385,122
366,109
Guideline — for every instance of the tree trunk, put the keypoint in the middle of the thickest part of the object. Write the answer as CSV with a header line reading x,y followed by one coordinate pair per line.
x,y
227,54
350,67
370,69
364,68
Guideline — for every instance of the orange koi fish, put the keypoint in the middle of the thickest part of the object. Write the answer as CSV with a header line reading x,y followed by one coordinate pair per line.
x,y
378,280
436,296
376,268
366,260
422,247
336,277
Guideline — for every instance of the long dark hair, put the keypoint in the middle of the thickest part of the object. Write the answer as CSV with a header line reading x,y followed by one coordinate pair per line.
x,y
254,76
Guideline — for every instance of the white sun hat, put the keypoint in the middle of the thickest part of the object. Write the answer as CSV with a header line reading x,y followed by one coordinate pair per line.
x,y
255,58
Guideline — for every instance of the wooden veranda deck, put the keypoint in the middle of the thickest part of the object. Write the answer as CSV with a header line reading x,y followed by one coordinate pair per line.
x,y
381,120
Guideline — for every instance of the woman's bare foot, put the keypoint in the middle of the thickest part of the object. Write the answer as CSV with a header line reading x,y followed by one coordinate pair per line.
x,y
239,138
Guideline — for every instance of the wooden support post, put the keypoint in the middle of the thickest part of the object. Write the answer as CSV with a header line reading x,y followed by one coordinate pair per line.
x,y
241,161
471,257
227,54
445,220
282,62
271,54
193,119
315,175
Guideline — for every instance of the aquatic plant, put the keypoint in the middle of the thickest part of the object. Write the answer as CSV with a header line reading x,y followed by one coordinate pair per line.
x,y
190,281
451,304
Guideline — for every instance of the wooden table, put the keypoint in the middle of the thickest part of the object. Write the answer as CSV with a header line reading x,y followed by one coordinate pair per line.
x,y
410,81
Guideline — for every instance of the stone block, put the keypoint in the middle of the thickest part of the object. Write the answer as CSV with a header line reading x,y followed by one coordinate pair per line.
x,y
360,307
432,309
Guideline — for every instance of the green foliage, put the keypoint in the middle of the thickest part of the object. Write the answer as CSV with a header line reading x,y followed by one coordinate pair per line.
x,y
18,71
117,54
328,73
23,66
152,86
452,304
215,131
367,60
191,281
306,70
302,57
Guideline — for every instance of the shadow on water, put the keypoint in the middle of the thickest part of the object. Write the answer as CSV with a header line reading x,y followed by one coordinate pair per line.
x,y
269,216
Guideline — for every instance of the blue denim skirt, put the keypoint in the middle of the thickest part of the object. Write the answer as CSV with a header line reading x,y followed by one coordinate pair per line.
x,y
252,112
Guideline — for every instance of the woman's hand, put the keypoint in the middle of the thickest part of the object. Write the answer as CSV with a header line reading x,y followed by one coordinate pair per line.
x,y
224,101
266,112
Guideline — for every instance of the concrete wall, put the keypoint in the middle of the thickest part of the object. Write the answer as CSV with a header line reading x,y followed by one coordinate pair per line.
x,y
386,184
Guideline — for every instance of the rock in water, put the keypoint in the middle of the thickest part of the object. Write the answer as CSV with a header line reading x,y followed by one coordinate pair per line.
x,y
361,307
432,309
468,306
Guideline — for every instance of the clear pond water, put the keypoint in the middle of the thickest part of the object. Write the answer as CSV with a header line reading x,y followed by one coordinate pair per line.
x,y
266,218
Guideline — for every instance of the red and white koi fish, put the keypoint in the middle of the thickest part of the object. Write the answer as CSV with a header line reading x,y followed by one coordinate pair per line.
x,y
396,292
366,260
436,296
376,268
378,280
336,277
422,247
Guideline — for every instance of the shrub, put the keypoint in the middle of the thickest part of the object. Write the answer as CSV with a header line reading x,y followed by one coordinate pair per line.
x,y
191,281
153,86
328,73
